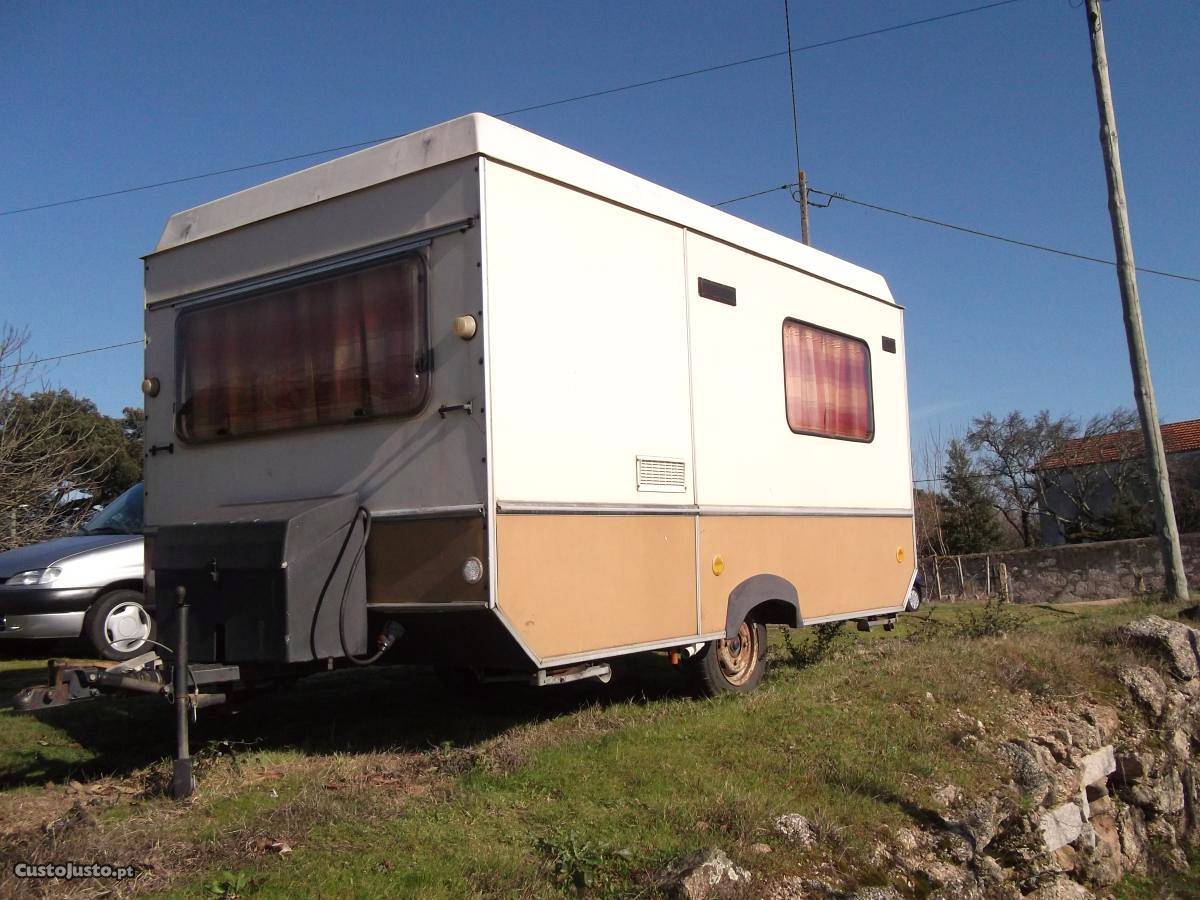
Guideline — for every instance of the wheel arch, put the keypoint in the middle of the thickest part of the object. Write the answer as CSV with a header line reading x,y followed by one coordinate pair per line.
x,y
128,584
773,599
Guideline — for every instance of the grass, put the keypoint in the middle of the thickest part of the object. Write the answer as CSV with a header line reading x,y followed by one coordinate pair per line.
x,y
381,782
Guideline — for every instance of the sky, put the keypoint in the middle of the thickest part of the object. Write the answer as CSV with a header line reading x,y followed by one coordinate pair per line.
x,y
986,120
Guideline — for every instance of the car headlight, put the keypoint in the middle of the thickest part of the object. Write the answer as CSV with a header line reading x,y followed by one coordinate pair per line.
x,y
35,576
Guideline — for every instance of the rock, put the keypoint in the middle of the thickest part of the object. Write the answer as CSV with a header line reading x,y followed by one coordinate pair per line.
x,y
1028,771
1060,826
761,848
1061,888
977,821
1146,686
946,796
1190,612
1096,767
1162,796
1131,826
704,875
1174,641
1133,767
794,887
905,839
877,893
1106,720
796,828
1102,862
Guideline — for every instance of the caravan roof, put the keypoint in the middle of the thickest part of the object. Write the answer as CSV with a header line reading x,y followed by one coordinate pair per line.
x,y
479,134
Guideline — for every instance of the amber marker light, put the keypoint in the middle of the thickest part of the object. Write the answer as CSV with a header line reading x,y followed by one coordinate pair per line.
x,y
899,554
718,564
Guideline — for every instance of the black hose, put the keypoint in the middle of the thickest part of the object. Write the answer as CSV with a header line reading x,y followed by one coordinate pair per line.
x,y
366,660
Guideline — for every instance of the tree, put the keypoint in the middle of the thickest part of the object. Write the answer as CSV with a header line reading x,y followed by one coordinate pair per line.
x,y
1009,450
969,508
55,450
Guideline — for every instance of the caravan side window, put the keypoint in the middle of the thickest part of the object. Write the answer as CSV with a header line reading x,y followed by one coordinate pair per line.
x,y
347,348
827,382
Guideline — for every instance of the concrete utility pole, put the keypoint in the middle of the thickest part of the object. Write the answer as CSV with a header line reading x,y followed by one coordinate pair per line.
x,y
803,192
1175,580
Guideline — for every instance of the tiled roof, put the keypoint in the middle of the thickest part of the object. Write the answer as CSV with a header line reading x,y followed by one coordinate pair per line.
x,y
1178,437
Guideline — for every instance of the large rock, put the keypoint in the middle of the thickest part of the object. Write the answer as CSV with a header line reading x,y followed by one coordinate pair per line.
x,y
1162,796
1060,826
1173,641
977,820
1096,767
705,875
1146,687
1061,888
1028,770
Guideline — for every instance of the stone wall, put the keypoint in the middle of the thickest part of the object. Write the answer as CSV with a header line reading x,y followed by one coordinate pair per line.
x,y
1059,574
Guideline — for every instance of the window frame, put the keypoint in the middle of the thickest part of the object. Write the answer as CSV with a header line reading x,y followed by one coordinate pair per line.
x,y
870,381
314,273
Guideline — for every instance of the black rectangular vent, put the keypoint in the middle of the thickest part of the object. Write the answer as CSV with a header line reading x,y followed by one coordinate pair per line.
x,y
889,345
722,293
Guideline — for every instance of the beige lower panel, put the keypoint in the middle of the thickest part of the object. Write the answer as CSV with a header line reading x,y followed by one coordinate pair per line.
x,y
839,564
575,583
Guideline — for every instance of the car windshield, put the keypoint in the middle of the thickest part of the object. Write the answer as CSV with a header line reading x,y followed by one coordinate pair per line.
x,y
122,516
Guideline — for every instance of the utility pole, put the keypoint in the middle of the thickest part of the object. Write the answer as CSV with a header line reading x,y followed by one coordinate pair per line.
x,y
1175,578
803,193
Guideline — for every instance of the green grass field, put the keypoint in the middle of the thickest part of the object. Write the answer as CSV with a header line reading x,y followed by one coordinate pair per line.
x,y
384,783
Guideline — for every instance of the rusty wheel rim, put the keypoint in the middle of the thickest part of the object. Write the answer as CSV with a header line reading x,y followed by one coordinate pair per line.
x,y
738,655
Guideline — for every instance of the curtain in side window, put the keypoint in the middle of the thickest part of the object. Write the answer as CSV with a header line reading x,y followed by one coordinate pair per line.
x,y
338,350
827,383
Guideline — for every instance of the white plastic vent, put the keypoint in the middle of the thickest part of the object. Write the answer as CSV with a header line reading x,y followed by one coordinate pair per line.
x,y
665,476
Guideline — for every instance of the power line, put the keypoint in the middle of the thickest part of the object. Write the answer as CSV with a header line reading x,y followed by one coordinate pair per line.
x,y
803,181
833,195
996,237
791,186
46,359
523,109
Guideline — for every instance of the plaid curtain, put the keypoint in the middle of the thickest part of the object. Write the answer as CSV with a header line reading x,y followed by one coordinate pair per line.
x,y
332,351
826,382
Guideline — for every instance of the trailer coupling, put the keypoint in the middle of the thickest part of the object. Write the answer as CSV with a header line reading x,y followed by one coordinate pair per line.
x,y
145,674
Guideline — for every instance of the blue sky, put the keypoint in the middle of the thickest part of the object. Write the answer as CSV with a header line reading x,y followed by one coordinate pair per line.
x,y
987,120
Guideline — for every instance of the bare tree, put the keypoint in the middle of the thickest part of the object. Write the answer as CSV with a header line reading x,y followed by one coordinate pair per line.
x,y
46,466
1097,487
928,506
1009,450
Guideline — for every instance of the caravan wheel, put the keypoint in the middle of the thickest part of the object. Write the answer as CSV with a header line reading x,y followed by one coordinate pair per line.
x,y
733,665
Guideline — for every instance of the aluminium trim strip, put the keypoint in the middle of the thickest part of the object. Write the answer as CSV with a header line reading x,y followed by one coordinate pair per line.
x,y
508,507
328,266
847,617
449,606
683,641
461,511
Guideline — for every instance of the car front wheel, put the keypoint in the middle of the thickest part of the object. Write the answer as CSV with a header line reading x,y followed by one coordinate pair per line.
x,y
119,626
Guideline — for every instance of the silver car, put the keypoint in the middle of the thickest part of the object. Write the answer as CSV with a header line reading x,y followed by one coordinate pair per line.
x,y
87,584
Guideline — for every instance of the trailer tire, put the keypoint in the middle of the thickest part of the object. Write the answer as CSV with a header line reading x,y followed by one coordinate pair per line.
x,y
116,613
735,665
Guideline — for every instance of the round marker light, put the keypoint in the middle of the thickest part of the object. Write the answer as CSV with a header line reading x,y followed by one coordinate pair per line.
x,y
472,571
150,386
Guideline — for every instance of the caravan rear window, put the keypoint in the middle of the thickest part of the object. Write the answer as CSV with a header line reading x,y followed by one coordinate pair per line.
x,y
343,349
826,383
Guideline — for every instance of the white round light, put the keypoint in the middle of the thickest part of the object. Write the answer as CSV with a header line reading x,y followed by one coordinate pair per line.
x,y
472,571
